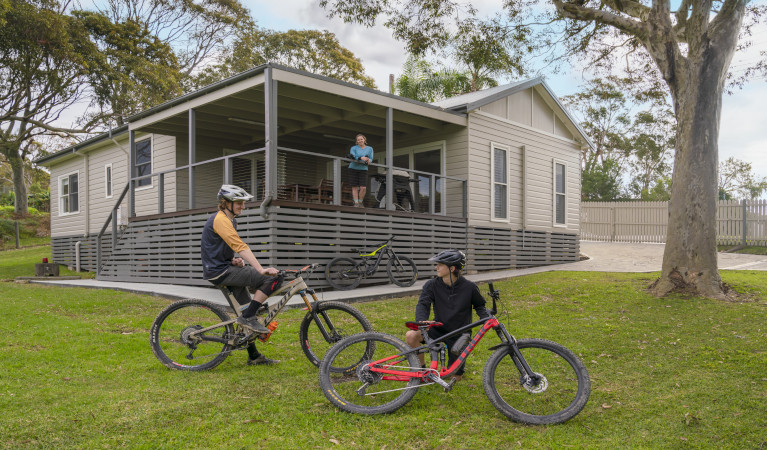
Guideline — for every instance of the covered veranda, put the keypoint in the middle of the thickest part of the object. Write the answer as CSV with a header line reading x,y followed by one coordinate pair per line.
x,y
284,135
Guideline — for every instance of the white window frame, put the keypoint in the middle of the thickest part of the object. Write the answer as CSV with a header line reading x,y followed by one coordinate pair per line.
x,y
151,162
61,197
109,181
554,164
507,149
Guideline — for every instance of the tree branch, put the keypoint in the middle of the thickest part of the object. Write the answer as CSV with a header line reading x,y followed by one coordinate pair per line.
x,y
630,7
47,126
577,12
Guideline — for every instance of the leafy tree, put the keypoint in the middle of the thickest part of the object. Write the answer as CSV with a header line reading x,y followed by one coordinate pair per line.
x,y
652,145
310,50
689,49
601,182
195,30
606,118
44,57
736,180
133,70
422,81
489,50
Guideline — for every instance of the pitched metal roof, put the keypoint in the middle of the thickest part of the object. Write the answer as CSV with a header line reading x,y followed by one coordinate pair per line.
x,y
475,100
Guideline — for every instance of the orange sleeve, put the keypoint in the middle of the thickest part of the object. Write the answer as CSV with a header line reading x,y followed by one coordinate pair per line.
x,y
224,228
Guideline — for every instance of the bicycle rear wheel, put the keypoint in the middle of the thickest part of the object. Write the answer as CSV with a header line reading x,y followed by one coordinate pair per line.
x,y
560,392
363,391
174,344
402,271
337,320
343,273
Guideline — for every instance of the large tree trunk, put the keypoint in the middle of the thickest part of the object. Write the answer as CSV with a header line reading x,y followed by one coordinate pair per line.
x,y
690,257
19,187
696,83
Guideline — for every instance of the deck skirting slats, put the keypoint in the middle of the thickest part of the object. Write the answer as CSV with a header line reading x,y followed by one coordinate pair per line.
x,y
167,249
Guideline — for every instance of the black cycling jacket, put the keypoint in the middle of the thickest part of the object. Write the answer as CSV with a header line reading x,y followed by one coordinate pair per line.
x,y
452,304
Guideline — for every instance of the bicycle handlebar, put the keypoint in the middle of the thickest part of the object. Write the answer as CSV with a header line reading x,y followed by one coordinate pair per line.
x,y
296,272
495,295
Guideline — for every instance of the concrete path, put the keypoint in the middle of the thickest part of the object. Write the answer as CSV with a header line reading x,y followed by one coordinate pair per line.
x,y
603,257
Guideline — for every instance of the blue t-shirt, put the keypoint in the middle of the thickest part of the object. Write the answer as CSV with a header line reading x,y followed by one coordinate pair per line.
x,y
359,152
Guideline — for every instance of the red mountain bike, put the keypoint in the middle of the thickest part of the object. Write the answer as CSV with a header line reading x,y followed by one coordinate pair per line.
x,y
532,381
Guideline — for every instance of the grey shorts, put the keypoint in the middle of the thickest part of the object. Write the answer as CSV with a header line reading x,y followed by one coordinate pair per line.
x,y
239,279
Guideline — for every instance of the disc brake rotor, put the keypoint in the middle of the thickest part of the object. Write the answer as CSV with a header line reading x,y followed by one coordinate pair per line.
x,y
186,335
366,376
535,386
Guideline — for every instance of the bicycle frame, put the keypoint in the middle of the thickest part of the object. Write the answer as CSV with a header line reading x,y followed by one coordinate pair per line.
x,y
370,268
435,349
296,286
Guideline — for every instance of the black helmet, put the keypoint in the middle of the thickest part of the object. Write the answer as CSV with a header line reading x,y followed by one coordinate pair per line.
x,y
454,258
233,193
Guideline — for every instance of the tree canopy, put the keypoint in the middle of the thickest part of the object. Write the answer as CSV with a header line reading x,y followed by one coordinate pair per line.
x,y
45,56
314,51
688,50
133,69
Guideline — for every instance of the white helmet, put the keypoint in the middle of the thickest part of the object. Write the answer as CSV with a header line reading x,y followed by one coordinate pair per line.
x,y
233,193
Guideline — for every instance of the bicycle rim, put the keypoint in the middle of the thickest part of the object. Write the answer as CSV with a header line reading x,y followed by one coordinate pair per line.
x,y
338,321
363,391
343,274
402,271
175,345
559,394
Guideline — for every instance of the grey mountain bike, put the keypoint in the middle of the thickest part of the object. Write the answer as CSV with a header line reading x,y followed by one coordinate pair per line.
x,y
197,335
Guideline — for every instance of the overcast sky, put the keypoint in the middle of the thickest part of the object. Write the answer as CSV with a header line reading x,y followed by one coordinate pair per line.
x,y
742,131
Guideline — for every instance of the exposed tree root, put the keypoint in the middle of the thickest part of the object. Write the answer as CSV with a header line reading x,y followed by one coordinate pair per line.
x,y
694,284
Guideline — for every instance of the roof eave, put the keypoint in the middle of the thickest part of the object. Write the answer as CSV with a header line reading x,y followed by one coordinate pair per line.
x,y
79,146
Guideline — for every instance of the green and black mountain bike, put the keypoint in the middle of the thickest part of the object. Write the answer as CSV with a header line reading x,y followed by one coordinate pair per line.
x,y
345,273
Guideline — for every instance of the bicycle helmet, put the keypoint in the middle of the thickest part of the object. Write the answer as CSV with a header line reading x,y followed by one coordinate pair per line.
x,y
454,258
233,193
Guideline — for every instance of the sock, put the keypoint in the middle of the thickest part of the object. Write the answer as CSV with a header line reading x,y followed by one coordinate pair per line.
x,y
250,311
252,351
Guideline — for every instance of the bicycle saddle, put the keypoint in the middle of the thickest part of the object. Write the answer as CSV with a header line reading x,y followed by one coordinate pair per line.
x,y
415,325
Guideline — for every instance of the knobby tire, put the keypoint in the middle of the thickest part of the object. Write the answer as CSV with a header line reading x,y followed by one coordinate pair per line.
x,y
402,271
567,383
339,321
343,273
166,336
341,389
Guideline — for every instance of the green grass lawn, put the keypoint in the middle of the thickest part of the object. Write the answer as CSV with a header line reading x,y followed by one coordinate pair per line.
x,y
77,371
745,250
21,262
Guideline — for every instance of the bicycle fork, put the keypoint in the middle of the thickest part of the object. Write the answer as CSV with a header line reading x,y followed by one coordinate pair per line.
x,y
528,378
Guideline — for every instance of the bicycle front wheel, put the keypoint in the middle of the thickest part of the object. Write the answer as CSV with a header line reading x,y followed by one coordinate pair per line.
x,y
175,343
326,325
402,271
559,391
343,273
363,391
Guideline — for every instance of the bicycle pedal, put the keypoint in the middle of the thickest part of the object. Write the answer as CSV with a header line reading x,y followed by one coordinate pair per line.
x,y
450,384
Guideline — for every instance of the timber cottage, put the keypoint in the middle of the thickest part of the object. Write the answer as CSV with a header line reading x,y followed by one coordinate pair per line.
x,y
494,172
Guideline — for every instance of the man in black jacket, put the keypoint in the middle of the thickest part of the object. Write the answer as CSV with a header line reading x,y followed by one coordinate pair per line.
x,y
453,298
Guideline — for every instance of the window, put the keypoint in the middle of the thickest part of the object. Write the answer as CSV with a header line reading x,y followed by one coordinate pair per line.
x,y
499,194
144,162
68,200
560,206
108,180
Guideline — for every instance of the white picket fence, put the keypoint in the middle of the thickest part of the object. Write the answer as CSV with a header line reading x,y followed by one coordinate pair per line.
x,y
636,221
